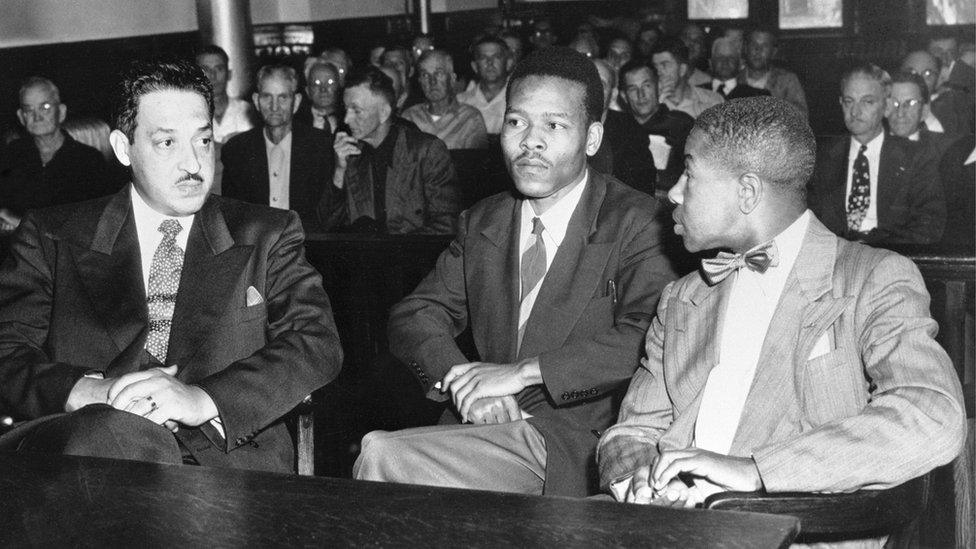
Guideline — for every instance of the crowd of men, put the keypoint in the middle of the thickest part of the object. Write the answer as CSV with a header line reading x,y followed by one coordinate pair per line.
x,y
797,359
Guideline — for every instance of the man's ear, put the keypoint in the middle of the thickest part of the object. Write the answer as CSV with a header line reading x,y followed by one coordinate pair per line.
x,y
22,118
120,145
594,136
298,102
254,99
386,111
474,67
751,191
62,112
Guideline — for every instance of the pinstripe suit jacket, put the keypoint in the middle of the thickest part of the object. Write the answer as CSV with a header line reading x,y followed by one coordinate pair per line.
x,y
883,406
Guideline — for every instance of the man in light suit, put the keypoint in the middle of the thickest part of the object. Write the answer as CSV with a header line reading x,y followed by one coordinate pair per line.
x,y
870,186
162,310
798,362
556,283
280,164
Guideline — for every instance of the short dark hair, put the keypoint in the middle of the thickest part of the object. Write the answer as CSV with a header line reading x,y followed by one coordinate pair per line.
x,y
489,39
568,64
395,48
635,65
213,49
675,47
144,77
909,78
764,30
374,79
763,135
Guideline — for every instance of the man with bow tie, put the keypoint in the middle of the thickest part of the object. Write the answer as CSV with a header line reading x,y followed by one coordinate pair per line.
x,y
162,323
794,361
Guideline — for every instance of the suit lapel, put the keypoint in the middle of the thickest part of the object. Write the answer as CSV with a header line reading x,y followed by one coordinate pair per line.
x,y
212,268
805,310
259,154
574,274
891,174
110,269
837,198
494,276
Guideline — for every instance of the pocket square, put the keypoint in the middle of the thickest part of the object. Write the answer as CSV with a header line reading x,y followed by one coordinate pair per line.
x,y
253,296
822,346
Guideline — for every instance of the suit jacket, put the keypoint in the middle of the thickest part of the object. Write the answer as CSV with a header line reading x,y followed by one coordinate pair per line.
x,y
72,300
740,90
245,161
785,85
304,114
421,189
910,202
586,333
884,405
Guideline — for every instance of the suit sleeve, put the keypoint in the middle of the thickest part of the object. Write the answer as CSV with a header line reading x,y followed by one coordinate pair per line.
x,y
302,352
604,360
645,413
914,419
440,189
423,326
31,384
794,92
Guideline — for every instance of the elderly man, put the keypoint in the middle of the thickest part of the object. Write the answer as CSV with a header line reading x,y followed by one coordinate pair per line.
x,y
390,177
797,362
670,59
162,323
48,167
638,94
398,57
279,164
458,125
693,38
909,103
555,283
725,63
950,110
322,87
873,187
760,73
231,115
492,63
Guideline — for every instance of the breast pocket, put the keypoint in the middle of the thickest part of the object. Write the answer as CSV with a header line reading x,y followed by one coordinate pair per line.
x,y
833,386
597,316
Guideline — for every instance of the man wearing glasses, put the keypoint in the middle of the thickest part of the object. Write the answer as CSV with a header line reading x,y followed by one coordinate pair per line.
x,y
47,167
321,111
951,110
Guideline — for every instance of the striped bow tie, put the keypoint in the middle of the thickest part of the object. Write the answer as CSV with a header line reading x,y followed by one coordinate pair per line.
x,y
758,259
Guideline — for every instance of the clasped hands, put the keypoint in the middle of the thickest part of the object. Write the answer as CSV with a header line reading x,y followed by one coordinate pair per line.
x,y
659,483
155,394
485,393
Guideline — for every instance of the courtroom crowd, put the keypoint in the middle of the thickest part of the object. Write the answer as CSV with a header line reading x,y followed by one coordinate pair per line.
x,y
800,358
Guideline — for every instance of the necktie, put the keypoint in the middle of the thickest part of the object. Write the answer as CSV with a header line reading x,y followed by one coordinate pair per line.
x,y
533,260
164,281
860,197
758,259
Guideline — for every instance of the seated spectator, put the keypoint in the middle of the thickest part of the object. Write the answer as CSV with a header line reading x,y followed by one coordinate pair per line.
x,y
555,351
619,52
586,44
458,125
231,115
950,109
94,132
909,101
638,94
492,63
648,36
48,167
624,151
726,62
340,60
760,73
398,57
279,164
390,177
670,59
516,47
945,48
543,34
321,111
399,89
797,363
693,38
872,187
421,44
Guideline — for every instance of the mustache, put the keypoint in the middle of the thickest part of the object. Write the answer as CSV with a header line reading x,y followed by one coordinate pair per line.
x,y
190,177
532,157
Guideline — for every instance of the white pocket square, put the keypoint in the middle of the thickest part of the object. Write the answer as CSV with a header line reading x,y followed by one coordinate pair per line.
x,y
253,296
822,346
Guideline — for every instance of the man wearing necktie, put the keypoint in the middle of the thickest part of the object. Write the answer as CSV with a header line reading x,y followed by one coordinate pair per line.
x,y
794,361
725,62
556,283
871,186
162,323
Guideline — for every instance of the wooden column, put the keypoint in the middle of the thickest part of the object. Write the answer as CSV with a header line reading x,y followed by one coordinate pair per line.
x,y
227,23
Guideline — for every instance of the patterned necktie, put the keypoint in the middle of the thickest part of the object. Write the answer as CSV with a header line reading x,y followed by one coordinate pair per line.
x,y
533,260
758,259
164,281
860,197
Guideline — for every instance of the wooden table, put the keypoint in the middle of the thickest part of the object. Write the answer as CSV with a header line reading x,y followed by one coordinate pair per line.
x,y
70,501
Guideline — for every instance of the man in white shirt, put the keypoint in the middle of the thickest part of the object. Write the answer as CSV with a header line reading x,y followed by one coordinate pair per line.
x,y
670,58
492,63
231,115
795,361
872,187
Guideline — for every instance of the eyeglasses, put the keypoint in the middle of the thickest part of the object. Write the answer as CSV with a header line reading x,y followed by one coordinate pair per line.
x,y
907,104
323,84
927,73
43,108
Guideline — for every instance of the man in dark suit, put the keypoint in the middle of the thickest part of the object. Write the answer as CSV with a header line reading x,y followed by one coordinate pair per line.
x,y
556,283
725,61
282,165
870,186
162,310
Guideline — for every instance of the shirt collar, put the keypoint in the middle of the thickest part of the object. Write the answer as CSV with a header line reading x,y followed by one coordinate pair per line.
x,y
148,220
284,144
874,146
556,218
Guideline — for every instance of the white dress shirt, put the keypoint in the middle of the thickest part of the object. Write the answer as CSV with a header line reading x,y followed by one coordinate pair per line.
x,y
873,153
236,120
279,171
492,111
147,230
724,87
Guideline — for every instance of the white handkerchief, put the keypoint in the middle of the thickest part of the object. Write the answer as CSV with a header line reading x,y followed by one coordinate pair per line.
x,y
253,296
822,346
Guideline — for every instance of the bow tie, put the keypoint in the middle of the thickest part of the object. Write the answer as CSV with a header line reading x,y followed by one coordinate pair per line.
x,y
758,259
